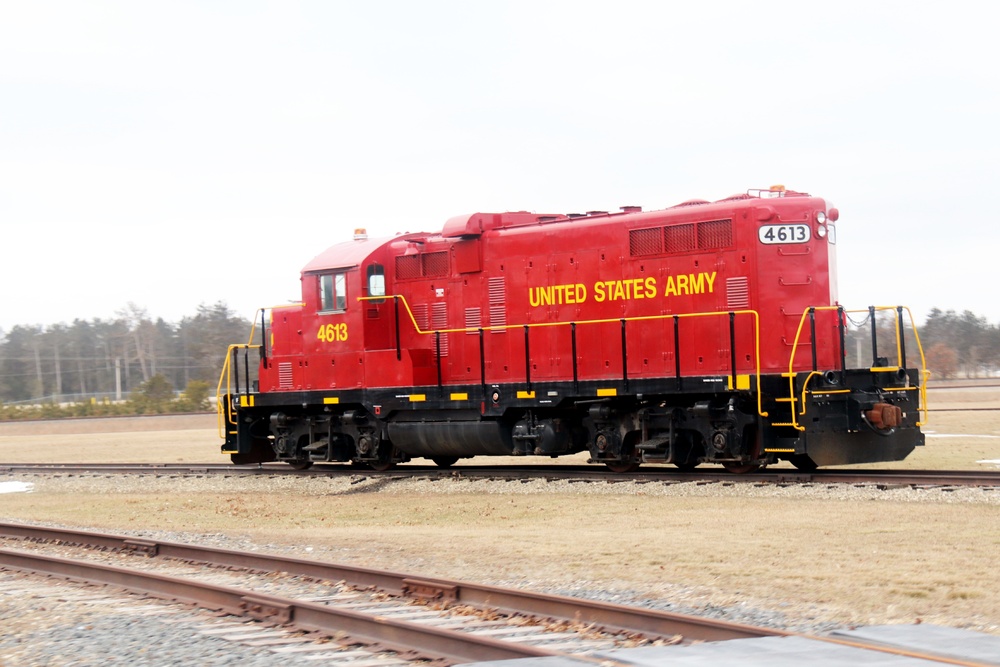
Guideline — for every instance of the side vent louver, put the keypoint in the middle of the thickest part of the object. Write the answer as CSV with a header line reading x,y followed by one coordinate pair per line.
x,y
737,293
498,304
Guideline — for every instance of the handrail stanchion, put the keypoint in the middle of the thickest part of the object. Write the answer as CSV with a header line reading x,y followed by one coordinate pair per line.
x,y
236,369
732,346
901,337
624,356
527,358
395,309
812,335
842,326
677,352
576,370
437,345
482,361
871,314
246,369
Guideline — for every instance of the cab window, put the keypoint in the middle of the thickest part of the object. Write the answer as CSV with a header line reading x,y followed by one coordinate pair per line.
x,y
332,292
376,280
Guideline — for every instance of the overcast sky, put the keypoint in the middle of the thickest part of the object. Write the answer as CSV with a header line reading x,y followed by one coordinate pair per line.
x,y
173,154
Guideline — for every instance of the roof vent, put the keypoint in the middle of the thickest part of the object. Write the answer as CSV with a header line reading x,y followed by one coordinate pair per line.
x,y
631,209
360,234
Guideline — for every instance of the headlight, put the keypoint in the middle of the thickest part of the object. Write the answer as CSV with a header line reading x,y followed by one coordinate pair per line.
x,y
821,231
820,217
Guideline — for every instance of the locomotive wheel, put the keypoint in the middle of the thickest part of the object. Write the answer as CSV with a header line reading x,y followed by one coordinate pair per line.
x,y
741,468
386,458
753,448
300,465
620,467
444,461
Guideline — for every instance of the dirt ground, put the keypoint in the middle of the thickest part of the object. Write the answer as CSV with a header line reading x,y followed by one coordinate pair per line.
x,y
814,555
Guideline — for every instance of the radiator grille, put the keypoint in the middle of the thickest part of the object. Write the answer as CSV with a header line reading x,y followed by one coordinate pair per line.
x,y
435,264
715,234
426,265
407,267
679,238
645,242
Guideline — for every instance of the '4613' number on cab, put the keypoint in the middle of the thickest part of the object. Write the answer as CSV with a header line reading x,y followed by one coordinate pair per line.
x,y
333,333
772,234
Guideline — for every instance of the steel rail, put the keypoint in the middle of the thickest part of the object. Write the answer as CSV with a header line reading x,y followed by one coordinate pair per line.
x,y
972,478
609,616
397,635
400,636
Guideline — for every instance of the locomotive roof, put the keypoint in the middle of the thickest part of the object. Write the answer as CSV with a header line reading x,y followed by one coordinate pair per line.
x,y
475,224
344,255
349,254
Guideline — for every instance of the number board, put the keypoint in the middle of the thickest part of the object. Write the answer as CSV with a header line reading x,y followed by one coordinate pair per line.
x,y
772,234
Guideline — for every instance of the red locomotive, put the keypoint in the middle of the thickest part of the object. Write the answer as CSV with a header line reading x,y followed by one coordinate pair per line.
x,y
708,332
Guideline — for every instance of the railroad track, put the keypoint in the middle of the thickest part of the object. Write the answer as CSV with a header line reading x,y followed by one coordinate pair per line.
x,y
366,614
885,478
421,618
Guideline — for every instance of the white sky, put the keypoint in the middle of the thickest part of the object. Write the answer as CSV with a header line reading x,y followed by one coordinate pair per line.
x,y
178,153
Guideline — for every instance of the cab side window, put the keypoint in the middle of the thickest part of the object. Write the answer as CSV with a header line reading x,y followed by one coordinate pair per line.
x,y
332,292
376,280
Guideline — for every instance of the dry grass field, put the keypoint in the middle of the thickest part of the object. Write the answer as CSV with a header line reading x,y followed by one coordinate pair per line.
x,y
854,556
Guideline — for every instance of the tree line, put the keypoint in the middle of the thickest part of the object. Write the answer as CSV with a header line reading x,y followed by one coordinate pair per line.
x,y
103,361
133,355
960,345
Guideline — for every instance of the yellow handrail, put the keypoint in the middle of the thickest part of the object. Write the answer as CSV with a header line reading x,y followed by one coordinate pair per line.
x,y
642,318
225,377
792,374
226,417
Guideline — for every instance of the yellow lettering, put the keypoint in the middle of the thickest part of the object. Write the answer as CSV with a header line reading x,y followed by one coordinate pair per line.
x,y
332,333
557,295
682,284
687,284
697,283
671,289
651,287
